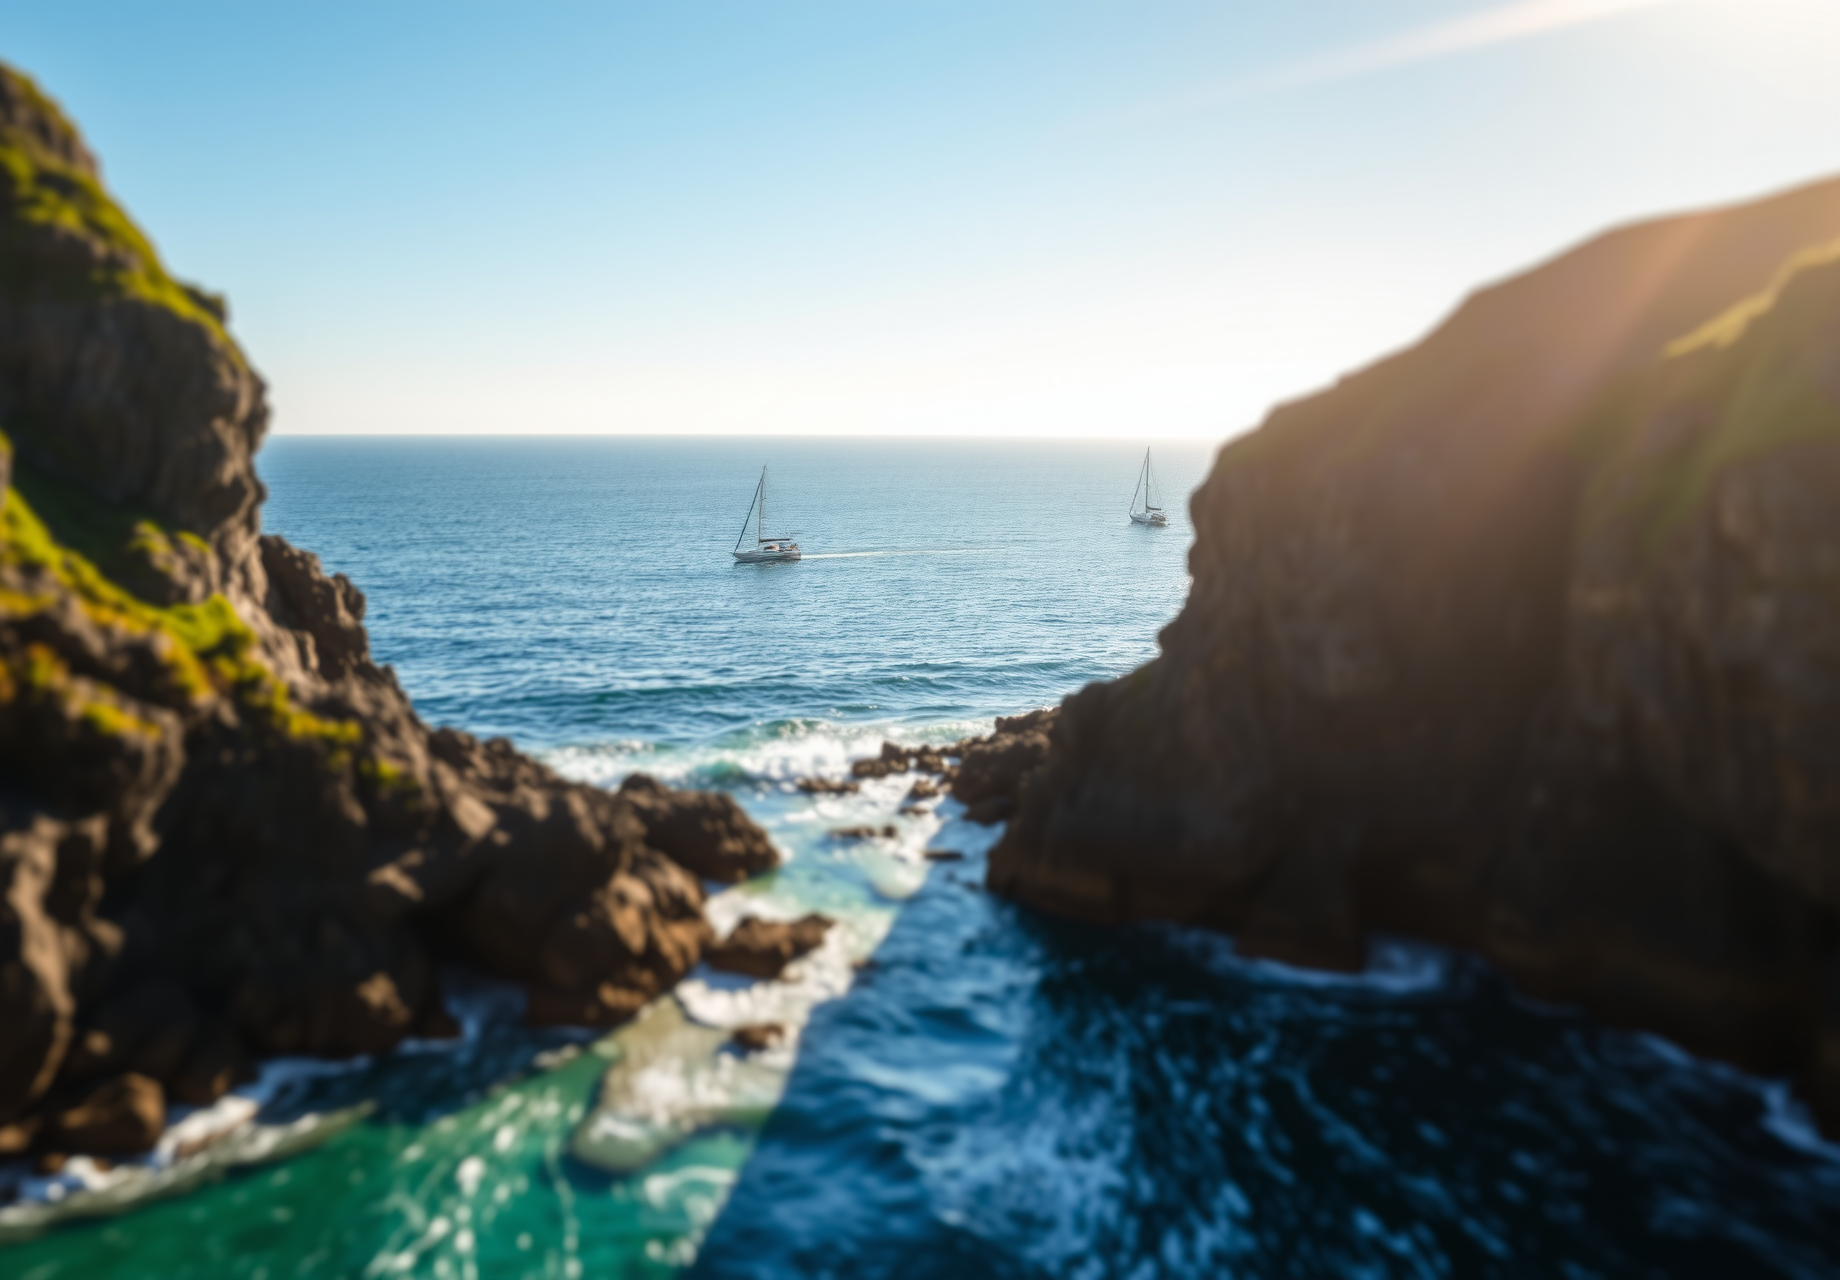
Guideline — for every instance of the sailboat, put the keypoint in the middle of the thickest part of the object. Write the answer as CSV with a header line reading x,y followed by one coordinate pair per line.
x,y
1146,485
766,550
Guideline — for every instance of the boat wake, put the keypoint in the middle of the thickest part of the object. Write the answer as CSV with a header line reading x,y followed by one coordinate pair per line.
x,y
864,555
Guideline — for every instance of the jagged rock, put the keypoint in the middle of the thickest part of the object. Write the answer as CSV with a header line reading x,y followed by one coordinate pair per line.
x,y
827,787
923,789
327,610
1527,640
990,770
894,759
704,832
762,948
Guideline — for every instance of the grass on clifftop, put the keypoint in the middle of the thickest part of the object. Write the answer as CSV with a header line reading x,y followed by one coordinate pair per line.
x,y
62,235
1760,377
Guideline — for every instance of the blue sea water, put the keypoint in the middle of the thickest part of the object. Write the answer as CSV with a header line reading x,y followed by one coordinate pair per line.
x,y
997,1094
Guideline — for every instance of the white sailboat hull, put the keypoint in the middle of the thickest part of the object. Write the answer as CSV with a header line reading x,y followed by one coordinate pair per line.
x,y
1156,518
767,557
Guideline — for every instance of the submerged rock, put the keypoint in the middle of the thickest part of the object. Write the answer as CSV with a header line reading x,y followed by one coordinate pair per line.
x,y
884,832
755,1036
1526,639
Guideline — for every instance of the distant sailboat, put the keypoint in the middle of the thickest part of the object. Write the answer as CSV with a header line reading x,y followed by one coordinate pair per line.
x,y
766,550
1150,513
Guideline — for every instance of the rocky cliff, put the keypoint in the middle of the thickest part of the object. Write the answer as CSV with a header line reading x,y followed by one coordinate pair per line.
x,y
1525,640
224,832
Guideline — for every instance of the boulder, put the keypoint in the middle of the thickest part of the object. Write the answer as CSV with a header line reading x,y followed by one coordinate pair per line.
x,y
992,768
705,832
763,948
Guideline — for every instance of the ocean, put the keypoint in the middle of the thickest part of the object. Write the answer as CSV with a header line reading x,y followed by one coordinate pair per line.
x,y
976,1090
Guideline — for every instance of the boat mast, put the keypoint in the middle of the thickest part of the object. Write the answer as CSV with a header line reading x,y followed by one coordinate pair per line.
x,y
760,529
749,515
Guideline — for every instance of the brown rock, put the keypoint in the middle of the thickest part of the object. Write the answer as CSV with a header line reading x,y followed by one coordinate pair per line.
x,y
827,787
762,948
16,1139
606,1005
944,855
329,610
36,1006
123,1116
886,832
927,760
758,1035
923,789
895,758
993,768
705,832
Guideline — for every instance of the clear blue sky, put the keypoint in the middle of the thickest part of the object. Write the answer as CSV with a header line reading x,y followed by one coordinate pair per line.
x,y
968,216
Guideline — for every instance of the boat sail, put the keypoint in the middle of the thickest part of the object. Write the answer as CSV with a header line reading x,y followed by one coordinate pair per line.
x,y
766,550
1150,513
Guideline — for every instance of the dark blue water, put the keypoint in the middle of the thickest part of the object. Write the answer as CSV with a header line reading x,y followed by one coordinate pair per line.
x,y
998,1094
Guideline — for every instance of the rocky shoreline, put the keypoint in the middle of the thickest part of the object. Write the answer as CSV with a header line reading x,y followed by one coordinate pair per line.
x,y
225,835
1524,640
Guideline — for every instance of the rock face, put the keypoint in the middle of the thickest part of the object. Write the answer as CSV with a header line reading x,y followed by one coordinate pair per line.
x,y
1527,640
223,830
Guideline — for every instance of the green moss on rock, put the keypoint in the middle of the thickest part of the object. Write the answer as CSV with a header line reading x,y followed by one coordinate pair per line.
x,y
209,650
61,234
1760,377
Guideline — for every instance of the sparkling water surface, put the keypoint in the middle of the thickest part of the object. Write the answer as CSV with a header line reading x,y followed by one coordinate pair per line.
x,y
999,1094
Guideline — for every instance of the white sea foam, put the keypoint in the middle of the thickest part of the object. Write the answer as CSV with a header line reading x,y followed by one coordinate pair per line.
x,y
781,752
1394,966
1784,1115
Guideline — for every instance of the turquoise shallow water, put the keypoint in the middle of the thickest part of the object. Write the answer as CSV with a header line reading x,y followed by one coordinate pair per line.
x,y
998,1094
